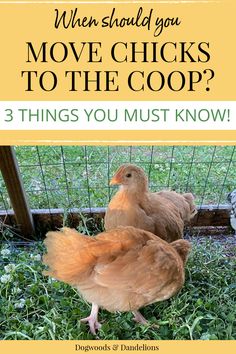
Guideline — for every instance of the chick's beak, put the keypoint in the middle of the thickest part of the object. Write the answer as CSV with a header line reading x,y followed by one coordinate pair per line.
x,y
115,181
117,178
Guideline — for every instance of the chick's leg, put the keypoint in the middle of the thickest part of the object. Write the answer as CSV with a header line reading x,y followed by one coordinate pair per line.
x,y
92,319
138,317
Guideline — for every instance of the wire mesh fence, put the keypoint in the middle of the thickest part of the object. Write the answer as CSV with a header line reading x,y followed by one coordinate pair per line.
x,y
78,176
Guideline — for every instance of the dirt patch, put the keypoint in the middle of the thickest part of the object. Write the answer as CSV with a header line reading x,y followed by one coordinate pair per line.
x,y
216,235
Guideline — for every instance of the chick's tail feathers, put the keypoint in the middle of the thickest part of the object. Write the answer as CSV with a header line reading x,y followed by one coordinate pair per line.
x,y
71,256
189,197
183,248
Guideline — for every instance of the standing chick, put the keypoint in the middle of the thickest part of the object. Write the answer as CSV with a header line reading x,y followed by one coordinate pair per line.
x,y
134,205
120,270
232,199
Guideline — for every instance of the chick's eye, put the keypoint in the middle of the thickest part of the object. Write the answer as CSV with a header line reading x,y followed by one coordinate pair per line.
x,y
128,175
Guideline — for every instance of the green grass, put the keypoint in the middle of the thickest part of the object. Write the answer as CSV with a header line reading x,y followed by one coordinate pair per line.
x,y
38,307
78,176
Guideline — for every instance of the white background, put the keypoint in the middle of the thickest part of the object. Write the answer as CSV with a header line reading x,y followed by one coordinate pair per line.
x,y
164,118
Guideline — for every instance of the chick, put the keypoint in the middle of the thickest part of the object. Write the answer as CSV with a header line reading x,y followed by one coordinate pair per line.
x,y
232,199
120,270
134,205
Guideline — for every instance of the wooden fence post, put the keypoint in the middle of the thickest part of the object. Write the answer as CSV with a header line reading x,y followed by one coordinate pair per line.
x,y
11,175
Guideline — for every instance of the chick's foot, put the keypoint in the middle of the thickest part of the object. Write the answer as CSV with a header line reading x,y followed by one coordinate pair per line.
x,y
139,318
94,325
92,319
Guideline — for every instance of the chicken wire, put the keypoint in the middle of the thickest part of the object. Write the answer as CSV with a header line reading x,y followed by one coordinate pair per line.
x,y
78,176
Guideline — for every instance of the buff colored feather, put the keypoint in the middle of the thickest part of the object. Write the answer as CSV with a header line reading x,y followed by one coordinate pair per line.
x,y
183,202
